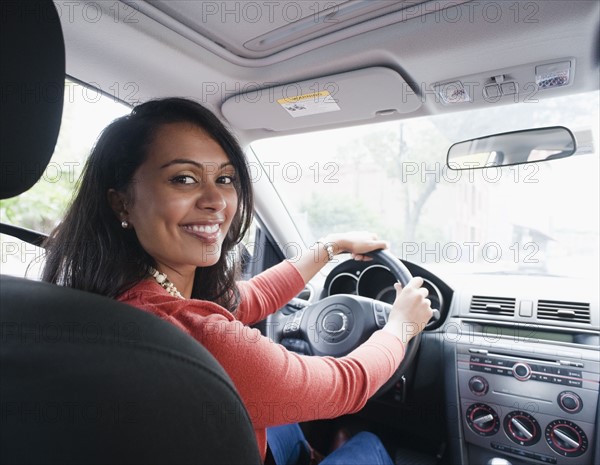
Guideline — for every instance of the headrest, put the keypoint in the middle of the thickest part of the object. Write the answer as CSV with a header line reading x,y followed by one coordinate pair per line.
x,y
32,63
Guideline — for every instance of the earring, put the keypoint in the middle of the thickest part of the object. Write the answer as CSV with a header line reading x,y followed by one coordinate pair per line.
x,y
124,224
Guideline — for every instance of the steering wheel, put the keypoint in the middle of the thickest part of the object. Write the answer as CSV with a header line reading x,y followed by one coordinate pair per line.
x,y
338,324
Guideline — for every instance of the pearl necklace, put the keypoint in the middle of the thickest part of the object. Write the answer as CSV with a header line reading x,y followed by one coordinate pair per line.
x,y
162,279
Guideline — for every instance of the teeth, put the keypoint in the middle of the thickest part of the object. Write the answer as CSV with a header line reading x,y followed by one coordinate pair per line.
x,y
203,228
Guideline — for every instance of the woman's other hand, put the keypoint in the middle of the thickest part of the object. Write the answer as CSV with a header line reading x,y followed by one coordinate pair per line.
x,y
411,310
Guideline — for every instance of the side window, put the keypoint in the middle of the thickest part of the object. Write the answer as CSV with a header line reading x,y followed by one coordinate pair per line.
x,y
86,112
258,250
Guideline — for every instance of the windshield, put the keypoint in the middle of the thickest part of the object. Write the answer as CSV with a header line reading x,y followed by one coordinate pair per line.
x,y
391,178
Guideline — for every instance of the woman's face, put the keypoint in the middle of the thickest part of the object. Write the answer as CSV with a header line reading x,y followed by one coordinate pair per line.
x,y
182,199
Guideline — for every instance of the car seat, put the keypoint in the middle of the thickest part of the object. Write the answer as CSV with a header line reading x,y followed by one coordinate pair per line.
x,y
85,379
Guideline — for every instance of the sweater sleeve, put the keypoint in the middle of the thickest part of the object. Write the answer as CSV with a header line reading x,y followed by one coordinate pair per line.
x,y
276,385
267,292
280,387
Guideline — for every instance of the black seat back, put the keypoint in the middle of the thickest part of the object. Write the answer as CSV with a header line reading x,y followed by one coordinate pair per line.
x,y
85,379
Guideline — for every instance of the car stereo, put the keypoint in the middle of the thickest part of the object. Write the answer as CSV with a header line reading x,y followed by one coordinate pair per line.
x,y
535,403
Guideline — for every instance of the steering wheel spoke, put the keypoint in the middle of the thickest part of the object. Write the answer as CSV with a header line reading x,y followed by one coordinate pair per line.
x,y
291,324
381,313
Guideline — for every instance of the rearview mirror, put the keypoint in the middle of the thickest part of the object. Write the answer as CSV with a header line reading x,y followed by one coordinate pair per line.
x,y
512,148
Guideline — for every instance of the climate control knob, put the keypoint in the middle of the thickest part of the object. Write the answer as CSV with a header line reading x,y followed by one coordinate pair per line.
x,y
566,438
483,419
478,385
522,428
570,402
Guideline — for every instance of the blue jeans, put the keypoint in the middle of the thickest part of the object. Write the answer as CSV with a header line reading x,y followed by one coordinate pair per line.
x,y
288,445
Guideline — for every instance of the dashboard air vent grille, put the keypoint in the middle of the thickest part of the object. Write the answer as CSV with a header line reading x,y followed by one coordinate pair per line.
x,y
577,312
493,305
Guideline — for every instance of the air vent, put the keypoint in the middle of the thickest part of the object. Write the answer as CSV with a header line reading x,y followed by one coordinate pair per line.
x,y
493,305
577,312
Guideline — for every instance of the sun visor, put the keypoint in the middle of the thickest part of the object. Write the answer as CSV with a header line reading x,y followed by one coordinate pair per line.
x,y
353,96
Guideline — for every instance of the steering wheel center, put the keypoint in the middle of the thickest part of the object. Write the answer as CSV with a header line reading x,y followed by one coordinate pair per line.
x,y
335,322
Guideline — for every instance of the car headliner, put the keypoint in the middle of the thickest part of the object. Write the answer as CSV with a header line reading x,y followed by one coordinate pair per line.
x,y
121,47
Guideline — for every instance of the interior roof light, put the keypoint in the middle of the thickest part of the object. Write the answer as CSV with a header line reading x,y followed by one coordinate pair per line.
x,y
553,75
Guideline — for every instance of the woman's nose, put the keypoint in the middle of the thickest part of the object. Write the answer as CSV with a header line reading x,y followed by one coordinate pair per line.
x,y
211,198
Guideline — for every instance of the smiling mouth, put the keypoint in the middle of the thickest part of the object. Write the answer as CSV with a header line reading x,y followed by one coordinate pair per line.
x,y
204,232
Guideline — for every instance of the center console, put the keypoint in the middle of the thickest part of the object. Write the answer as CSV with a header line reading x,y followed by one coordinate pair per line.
x,y
528,402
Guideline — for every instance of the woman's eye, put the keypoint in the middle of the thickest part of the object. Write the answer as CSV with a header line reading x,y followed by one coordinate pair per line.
x,y
226,179
183,179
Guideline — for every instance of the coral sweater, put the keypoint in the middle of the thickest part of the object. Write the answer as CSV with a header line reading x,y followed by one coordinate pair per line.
x,y
276,386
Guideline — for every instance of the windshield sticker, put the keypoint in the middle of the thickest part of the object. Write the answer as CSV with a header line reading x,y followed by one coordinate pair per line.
x,y
309,104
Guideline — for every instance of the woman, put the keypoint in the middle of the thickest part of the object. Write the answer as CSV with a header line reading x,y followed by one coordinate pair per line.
x,y
164,199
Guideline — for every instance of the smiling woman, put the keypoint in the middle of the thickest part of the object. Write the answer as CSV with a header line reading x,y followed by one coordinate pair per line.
x,y
164,199
151,197
181,201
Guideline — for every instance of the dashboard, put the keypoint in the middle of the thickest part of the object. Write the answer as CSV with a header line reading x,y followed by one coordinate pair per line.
x,y
521,359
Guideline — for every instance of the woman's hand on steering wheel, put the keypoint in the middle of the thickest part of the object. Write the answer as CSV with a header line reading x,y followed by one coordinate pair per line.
x,y
411,310
357,243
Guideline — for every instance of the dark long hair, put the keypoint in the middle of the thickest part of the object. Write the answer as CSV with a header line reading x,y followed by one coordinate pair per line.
x,y
90,250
